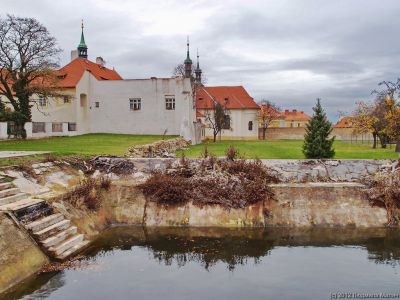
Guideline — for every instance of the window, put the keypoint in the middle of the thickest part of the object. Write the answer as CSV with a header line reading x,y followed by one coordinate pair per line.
x,y
71,126
250,125
67,99
227,122
38,127
97,104
135,103
170,103
42,102
56,127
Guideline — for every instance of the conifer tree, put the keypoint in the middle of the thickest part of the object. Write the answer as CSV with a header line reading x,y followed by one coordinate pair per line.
x,y
317,143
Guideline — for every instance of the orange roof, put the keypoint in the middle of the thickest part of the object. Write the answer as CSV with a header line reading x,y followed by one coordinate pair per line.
x,y
344,122
295,115
233,97
71,73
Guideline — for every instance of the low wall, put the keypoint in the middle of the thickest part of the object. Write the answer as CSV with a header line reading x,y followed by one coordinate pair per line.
x,y
19,256
294,205
297,133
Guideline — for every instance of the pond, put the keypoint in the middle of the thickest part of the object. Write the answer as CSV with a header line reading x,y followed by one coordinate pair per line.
x,y
214,263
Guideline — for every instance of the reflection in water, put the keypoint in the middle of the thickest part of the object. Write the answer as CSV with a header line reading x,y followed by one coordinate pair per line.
x,y
212,248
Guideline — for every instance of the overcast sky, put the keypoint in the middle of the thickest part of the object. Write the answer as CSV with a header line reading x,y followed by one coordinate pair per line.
x,y
289,52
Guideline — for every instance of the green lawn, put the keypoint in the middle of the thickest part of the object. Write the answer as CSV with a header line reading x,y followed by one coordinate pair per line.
x,y
82,145
117,144
288,149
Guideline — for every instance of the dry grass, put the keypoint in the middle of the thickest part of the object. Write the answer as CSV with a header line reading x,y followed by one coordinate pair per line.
x,y
86,194
384,190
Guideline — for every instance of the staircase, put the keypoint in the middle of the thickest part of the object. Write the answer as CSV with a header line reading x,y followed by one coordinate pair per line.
x,y
48,228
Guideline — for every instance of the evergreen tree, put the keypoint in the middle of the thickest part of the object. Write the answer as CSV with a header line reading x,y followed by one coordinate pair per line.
x,y
317,143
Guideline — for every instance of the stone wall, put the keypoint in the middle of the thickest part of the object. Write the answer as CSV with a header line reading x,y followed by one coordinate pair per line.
x,y
19,256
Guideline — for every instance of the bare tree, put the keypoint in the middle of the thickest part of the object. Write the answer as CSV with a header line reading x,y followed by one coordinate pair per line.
x,y
28,58
217,119
268,113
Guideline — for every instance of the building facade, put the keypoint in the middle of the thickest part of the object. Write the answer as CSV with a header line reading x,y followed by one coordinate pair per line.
x,y
97,100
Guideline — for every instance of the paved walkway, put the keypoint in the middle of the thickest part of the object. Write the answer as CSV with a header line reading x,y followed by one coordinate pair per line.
x,y
7,154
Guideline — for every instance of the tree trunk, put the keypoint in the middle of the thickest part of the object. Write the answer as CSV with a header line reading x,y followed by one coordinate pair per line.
x,y
215,137
382,140
264,130
374,136
397,146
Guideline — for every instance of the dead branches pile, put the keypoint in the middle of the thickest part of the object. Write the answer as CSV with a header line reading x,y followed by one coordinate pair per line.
x,y
164,148
384,190
227,182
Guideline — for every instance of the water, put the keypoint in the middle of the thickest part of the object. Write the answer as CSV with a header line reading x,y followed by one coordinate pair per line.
x,y
184,263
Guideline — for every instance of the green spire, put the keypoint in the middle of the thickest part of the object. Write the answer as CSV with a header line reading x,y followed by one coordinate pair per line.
x,y
82,48
188,60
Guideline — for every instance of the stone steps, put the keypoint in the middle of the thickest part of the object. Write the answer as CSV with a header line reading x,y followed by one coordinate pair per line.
x,y
5,185
51,230
59,237
20,204
11,199
44,222
75,249
67,244
9,192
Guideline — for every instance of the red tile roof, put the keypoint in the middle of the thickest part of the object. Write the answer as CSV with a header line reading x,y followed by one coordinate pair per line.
x,y
234,97
71,73
344,122
199,114
295,115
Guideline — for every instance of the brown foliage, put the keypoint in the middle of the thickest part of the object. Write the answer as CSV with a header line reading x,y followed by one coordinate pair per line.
x,y
384,189
85,194
229,183
231,153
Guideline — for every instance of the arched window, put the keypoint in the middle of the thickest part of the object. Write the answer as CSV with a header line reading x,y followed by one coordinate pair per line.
x,y
250,125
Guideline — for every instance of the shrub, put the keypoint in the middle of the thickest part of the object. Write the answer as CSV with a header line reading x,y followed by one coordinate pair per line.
x,y
384,189
231,153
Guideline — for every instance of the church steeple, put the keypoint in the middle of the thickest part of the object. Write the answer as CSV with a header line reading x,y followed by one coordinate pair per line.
x,y
188,62
198,71
82,48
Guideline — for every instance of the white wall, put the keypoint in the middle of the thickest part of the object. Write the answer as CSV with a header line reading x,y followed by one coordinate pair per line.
x,y
114,114
240,119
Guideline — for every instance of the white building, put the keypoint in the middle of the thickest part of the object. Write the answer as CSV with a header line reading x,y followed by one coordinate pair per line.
x,y
241,120
98,100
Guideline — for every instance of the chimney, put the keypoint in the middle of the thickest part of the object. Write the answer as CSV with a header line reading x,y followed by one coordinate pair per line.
x,y
100,61
74,54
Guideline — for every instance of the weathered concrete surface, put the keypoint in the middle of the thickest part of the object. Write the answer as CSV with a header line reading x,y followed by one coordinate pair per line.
x,y
322,204
19,256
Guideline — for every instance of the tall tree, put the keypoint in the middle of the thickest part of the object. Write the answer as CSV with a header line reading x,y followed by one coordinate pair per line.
x,y
317,143
28,58
268,113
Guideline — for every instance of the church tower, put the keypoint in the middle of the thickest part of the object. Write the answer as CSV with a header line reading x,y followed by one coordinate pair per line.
x,y
188,62
82,48
198,71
